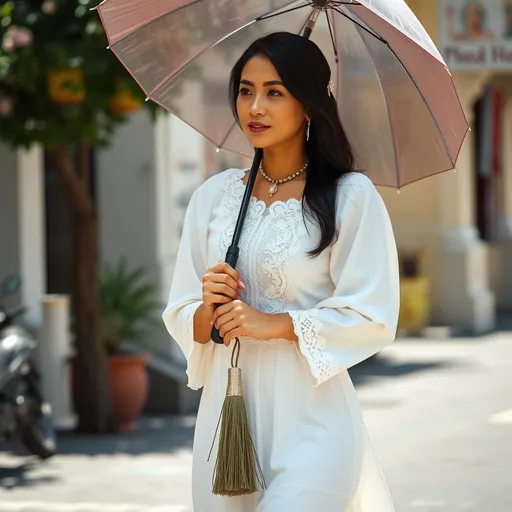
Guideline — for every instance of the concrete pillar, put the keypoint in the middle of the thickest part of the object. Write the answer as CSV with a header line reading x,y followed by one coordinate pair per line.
x,y
504,232
468,301
53,354
31,231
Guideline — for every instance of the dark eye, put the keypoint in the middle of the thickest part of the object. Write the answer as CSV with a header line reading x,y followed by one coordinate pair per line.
x,y
244,91
274,92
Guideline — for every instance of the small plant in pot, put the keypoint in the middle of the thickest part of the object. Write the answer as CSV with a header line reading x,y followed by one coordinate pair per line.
x,y
129,316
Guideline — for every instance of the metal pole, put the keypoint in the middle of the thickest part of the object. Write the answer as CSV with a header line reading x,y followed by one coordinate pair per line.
x,y
310,25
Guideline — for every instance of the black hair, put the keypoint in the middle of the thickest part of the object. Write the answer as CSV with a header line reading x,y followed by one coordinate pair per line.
x,y
305,73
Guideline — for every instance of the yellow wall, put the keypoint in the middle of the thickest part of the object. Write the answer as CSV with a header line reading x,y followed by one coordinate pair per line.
x,y
417,211
426,12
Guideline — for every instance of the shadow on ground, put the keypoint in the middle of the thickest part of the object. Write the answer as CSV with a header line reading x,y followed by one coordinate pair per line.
x,y
381,366
21,475
155,435
169,434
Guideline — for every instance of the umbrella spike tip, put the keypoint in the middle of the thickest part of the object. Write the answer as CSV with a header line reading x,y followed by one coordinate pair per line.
x,y
147,99
217,150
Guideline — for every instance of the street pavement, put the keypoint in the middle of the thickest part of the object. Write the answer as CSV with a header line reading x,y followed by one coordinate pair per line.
x,y
440,413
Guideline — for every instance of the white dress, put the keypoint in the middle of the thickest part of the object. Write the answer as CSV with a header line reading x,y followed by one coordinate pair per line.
x,y
306,422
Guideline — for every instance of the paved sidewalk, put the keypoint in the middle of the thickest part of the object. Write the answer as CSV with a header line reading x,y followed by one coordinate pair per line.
x,y
148,471
440,413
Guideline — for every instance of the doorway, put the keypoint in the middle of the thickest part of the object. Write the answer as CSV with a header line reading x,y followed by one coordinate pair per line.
x,y
60,228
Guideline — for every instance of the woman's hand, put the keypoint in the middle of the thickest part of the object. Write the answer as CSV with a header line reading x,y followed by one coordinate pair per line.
x,y
221,284
238,319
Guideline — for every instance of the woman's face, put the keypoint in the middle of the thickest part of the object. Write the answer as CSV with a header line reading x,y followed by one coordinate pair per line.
x,y
474,17
268,113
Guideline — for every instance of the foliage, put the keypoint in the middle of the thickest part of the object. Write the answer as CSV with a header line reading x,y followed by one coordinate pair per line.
x,y
128,307
38,37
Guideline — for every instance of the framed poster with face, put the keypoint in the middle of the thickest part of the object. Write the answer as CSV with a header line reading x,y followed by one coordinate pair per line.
x,y
476,34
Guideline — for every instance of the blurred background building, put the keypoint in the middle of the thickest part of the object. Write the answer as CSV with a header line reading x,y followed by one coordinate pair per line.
x,y
454,232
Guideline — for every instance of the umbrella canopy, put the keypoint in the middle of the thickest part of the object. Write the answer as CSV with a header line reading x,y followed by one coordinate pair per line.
x,y
396,97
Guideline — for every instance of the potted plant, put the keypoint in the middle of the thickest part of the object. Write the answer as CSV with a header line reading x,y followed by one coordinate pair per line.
x,y
128,315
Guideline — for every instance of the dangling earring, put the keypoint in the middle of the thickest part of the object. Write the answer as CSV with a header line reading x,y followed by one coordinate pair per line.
x,y
307,129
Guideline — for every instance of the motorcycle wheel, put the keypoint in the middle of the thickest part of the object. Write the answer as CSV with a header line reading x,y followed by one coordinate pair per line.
x,y
38,433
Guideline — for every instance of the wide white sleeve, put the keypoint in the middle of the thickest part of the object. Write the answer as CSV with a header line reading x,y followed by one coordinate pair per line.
x,y
185,295
361,316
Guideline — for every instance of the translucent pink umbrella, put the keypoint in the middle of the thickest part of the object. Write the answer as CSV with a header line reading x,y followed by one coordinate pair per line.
x,y
396,96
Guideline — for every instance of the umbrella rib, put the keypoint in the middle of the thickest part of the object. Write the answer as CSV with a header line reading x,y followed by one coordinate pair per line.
x,y
309,3
281,12
223,141
360,25
410,77
177,71
152,20
333,39
395,155
197,55
426,105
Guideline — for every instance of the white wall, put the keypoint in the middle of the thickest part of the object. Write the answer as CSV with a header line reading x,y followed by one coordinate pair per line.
x,y
126,195
22,242
145,179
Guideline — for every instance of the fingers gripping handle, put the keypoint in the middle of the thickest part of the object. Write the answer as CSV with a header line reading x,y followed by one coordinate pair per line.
x,y
233,251
231,259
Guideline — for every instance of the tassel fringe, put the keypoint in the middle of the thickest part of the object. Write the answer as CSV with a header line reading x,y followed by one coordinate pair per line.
x,y
237,470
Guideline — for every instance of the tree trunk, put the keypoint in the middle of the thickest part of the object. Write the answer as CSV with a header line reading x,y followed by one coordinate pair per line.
x,y
92,396
90,372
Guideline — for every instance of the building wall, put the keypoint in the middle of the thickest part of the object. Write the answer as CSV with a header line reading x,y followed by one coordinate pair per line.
x,y
437,217
145,179
125,178
415,215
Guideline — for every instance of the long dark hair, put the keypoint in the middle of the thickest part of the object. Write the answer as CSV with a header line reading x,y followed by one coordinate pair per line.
x,y
305,73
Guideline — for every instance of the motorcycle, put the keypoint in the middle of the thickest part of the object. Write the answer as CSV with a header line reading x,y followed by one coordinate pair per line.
x,y
24,414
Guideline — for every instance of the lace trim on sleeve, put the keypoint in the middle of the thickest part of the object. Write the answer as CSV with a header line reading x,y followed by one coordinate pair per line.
x,y
312,344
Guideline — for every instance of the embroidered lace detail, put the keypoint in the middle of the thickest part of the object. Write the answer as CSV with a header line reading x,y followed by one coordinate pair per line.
x,y
271,237
312,344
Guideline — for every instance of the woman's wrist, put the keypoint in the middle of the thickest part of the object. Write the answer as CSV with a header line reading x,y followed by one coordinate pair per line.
x,y
202,327
280,325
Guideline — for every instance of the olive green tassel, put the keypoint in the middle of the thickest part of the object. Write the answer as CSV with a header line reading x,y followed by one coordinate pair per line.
x,y
237,470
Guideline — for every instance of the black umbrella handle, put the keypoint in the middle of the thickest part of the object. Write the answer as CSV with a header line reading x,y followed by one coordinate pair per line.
x,y
234,249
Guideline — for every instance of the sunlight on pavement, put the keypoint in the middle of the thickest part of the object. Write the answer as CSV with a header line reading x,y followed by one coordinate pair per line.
x,y
32,506
502,418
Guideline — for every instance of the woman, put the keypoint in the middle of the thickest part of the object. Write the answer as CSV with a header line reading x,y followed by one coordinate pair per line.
x,y
315,292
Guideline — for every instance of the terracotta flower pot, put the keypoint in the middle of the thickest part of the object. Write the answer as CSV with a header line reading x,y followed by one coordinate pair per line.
x,y
129,385
66,86
124,102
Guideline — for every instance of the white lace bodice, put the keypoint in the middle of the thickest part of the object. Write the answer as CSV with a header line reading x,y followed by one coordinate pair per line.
x,y
347,293
273,260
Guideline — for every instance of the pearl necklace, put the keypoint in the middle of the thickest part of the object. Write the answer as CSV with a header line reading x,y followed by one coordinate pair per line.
x,y
274,183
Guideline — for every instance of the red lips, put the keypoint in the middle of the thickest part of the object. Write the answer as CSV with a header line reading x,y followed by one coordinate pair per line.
x,y
258,127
